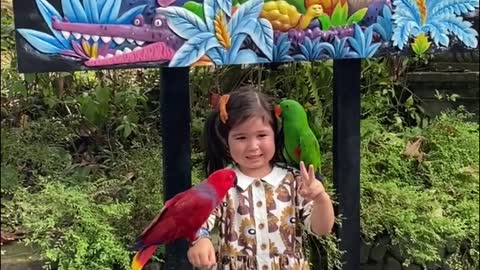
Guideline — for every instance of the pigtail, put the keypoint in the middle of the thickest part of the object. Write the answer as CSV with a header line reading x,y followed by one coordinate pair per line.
x,y
214,144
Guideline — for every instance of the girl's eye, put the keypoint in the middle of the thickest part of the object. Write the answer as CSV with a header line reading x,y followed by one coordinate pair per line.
x,y
240,138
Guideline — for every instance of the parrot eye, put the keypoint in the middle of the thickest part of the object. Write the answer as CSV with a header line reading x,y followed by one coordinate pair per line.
x,y
292,220
224,204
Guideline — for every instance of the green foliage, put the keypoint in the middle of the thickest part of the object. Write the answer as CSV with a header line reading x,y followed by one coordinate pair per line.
x,y
340,17
72,228
426,196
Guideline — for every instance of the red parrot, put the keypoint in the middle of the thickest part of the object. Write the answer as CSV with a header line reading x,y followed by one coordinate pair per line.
x,y
183,215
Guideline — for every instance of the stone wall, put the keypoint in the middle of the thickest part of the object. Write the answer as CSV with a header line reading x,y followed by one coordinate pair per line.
x,y
381,255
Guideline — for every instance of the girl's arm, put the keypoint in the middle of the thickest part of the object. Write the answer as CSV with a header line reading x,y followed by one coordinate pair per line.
x,y
322,215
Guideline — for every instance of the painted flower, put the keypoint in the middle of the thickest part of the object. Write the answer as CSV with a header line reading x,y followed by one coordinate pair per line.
x,y
220,35
287,220
248,232
435,18
229,249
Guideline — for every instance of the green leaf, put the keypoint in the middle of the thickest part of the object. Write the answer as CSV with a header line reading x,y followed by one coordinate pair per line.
x,y
298,4
337,17
325,21
132,117
195,8
127,130
102,94
29,77
357,16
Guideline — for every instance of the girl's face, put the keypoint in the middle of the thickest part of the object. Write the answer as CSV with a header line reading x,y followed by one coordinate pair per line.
x,y
252,146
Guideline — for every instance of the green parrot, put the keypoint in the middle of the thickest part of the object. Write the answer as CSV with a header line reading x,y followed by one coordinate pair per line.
x,y
300,143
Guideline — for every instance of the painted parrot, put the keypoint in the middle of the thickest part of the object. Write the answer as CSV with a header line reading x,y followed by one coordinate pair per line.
x,y
183,215
300,143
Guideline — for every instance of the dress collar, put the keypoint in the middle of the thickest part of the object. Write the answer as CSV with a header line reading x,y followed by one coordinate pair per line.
x,y
273,178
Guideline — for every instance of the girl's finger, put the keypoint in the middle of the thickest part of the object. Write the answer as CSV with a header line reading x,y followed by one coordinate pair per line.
x,y
311,173
304,173
211,258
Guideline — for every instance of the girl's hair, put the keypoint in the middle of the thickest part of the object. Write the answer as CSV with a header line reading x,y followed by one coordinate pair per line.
x,y
243,104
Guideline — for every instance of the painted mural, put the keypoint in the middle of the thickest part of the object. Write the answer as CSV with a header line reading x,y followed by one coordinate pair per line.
x,y
105,33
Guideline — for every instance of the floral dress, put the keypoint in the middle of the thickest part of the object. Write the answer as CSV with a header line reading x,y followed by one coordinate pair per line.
x,y
261,223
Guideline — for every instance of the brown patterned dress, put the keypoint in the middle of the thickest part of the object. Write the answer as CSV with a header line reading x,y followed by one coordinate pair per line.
x,y
261,223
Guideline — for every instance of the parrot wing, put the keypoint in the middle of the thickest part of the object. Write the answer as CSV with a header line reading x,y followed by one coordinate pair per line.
x,y
310,150
174,221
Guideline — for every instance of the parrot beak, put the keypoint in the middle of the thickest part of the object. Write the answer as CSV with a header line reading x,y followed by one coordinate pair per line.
x,y
278,112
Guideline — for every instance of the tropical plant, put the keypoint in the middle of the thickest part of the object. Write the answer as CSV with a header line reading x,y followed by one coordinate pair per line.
x,y
103,11
312,49
361,42
339,50
340,17
221,35
383,26
281,49
433,17
421,44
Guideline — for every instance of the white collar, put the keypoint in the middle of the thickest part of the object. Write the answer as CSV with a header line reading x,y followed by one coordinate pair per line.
x,y
273,178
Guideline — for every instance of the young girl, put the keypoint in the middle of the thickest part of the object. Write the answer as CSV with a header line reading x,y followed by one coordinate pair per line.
x,y
260,219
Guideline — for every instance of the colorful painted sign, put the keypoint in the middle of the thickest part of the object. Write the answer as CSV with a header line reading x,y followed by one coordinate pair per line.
x,y
98,34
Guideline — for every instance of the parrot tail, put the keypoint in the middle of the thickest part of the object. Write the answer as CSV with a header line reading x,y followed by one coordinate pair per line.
x,y
142,257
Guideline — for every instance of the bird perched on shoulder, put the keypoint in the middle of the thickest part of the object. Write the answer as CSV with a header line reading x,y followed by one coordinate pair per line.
x,y
300,143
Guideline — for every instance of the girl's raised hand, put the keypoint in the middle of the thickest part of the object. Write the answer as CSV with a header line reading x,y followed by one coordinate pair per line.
x,y
310,188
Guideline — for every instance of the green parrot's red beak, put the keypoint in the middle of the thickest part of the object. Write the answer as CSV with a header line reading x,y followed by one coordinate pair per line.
x,y
278,111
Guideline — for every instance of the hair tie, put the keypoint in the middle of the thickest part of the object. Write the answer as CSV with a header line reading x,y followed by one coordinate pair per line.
x,y
222,108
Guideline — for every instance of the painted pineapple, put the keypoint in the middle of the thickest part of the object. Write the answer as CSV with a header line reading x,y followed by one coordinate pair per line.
x,y
284,16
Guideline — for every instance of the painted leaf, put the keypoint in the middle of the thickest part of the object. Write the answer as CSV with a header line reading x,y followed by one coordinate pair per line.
x,y
195,7
183,22
281,48
357,16
91,9
449,7
261,33
217,55
402,33
79,11
193,49
100,4
48,12
41,41
232,52
245,56
358,41
249,10
127,17
68,10
105,13
437,33
325,21
407,6
337,15
114,11
298,4
226,6
210,9
462,30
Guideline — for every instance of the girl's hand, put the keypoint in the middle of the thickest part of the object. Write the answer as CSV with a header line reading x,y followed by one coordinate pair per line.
x,y
202,253
310,188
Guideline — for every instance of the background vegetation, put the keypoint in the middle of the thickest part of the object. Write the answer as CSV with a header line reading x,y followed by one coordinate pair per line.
x,y
81,169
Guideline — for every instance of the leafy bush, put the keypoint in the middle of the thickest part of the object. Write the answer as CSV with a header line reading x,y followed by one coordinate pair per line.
x,y
71,227
421,187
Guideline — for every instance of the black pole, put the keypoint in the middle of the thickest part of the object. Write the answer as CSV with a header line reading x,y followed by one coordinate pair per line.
x,y
346,156
175,109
